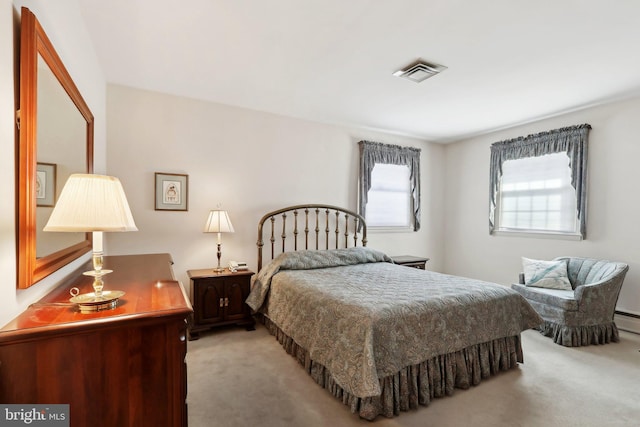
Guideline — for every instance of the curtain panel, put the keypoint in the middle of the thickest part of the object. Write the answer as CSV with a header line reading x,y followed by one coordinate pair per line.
x,y
572,140
375,152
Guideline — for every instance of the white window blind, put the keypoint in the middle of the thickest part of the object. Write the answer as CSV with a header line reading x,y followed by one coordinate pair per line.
x,y
535,194
389,202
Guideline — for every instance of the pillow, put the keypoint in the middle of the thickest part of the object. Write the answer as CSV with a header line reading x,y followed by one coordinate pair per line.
x,y
546,274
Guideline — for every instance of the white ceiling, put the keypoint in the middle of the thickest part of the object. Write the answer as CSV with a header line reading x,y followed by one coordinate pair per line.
x,y
509,61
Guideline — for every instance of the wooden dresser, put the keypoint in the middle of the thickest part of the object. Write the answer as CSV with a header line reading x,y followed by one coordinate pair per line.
x,y
120,367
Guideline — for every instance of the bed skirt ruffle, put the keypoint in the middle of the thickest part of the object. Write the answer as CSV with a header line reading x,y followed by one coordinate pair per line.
x,y
415,384
577,336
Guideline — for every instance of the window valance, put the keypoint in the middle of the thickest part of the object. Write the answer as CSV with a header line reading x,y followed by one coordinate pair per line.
x,y
572,140
375,152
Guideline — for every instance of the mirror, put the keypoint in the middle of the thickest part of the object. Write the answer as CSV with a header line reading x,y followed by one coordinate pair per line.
x,y
55,140
61,141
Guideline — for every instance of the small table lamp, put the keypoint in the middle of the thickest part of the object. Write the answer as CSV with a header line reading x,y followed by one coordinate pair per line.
x,y
218,222
95,203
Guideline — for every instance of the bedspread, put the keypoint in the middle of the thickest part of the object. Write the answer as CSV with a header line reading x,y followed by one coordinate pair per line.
x,y
364,319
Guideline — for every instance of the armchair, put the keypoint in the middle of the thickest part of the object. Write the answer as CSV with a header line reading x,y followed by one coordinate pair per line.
x,y
584,315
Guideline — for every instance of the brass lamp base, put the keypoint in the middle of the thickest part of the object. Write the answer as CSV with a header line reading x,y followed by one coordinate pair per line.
x,y
89,303
98,300
219,269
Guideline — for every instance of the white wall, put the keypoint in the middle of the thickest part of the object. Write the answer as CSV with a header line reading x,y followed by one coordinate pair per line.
x,y
613,204
63,24
250,162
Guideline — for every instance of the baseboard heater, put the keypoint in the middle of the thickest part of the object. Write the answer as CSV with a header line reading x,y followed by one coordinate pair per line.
x,y
629,322
624,313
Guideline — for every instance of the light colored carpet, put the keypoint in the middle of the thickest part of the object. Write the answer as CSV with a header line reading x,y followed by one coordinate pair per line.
x,y
240,378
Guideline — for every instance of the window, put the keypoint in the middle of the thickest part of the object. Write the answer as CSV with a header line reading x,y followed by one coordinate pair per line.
x,y
538,183
389,198
535,194
389,185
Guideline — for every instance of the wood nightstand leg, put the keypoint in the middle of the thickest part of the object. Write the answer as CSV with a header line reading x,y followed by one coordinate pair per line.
x,y
251,326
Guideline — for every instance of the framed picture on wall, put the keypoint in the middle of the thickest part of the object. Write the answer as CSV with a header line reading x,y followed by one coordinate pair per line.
x,y
46,184
172,192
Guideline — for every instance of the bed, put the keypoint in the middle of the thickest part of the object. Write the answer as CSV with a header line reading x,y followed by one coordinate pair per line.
x,y
381,337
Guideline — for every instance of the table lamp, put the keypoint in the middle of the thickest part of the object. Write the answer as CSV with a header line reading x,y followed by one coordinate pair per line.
x,y
95,203
218,222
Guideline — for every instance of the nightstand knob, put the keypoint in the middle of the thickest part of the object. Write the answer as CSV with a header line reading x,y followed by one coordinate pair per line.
x,y
226,302
221,302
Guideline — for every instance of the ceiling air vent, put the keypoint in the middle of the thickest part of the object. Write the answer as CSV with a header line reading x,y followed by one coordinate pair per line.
x,y
419,71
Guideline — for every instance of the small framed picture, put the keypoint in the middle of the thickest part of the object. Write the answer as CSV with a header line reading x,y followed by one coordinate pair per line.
x,y
172,192
46,184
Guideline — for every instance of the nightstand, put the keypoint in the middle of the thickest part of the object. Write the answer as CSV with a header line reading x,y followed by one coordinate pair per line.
x,y
219,299
411,261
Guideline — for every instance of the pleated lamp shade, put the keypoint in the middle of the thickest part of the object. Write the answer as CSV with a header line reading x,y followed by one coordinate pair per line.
x,y
91,202
218,222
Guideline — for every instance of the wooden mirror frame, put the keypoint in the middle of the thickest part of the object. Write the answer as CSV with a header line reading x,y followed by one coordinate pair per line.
x,y
34,42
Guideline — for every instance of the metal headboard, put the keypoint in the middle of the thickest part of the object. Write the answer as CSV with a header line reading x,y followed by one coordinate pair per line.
x,y
333,220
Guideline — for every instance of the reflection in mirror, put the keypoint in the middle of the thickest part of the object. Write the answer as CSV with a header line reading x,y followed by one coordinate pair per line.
x,y
56,140
61,139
